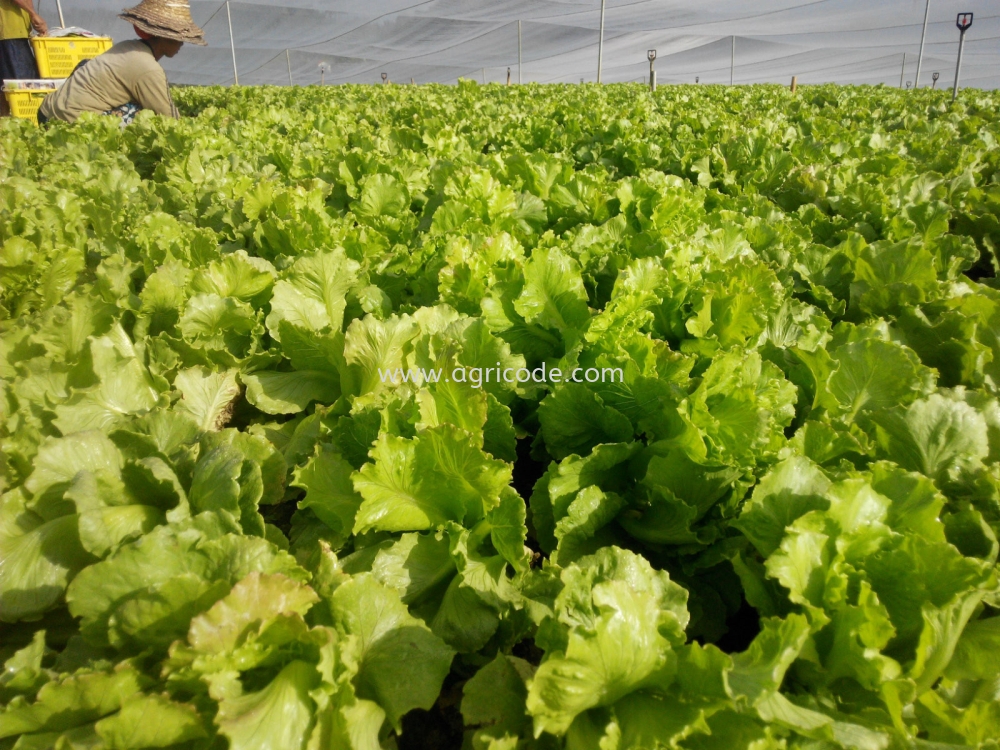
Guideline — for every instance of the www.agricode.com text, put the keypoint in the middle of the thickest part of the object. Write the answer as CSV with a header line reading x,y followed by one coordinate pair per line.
x,y
478,376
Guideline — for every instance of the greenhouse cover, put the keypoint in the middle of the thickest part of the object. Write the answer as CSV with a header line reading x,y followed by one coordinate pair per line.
x,y
843,41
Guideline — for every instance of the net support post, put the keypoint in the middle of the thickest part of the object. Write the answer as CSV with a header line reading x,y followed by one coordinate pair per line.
x,y
920,54
732,62
232,45
600,45
963,22
519,52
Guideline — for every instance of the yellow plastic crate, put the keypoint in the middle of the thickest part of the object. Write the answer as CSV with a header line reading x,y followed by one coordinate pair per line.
x,y
58,56
25,104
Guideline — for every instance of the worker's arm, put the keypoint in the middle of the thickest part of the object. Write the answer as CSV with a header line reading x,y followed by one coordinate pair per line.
x,y
37,22
152,93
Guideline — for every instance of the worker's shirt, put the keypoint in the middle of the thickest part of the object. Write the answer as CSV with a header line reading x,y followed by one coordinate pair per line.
x,y
127,72
15,23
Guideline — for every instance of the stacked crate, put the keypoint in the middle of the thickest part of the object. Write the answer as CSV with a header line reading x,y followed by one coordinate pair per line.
x,y
57,58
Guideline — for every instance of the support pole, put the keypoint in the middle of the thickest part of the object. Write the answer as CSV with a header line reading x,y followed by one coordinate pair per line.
x,y
902,70
958,65
519,52
232,45
795,84
920,55
62,21
732,61
288,60
600,46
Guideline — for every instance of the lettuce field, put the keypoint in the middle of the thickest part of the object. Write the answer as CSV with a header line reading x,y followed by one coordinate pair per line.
x,y
234,513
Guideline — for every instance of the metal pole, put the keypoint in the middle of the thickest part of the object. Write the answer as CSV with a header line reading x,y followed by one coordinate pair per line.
x,y
958,65
232,44
62,21
484,76
600,46
732,61
519,52
903,70
288,60
920,55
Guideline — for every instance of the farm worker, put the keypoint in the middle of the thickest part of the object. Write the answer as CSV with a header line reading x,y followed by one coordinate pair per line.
x,y
17,59
128,77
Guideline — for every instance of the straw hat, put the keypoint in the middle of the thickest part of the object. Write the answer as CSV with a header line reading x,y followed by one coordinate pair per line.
x,y
170,19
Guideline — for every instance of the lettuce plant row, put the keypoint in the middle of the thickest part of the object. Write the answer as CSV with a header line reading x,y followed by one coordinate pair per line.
x,y
223,525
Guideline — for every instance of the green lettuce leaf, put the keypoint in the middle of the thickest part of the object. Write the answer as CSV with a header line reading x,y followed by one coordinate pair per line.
x,y
402,663
618,623
280,715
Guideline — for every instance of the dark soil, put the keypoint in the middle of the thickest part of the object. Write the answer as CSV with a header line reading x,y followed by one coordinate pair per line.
x,y
437,729
527,470
280,515
528,651
743,628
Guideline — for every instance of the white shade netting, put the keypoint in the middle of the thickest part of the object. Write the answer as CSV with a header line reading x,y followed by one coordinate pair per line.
x,y
843,41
